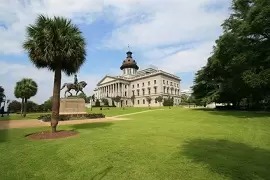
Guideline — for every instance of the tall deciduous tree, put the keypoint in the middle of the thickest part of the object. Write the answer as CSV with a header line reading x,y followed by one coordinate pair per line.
x,y
58,45
2,94
239,68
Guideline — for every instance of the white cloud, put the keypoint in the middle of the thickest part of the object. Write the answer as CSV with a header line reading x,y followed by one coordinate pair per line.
x,y
44,78
184,60
15,15
175,35
166,23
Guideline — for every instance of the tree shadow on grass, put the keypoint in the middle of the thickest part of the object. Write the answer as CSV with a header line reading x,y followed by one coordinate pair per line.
x,y
234,160
91,125
101,174
4,125
235,113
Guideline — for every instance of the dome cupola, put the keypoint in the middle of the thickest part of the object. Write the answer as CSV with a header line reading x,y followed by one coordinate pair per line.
x,y
129,65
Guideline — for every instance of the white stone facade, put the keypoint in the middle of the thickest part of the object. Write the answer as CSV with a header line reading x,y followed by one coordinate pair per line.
x,y
142,84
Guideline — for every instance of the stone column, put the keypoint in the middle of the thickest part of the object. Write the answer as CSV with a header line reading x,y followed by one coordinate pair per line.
x,y
114,90
118,89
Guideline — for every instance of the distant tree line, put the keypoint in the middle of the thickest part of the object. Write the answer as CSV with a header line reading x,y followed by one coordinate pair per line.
x,y
238,71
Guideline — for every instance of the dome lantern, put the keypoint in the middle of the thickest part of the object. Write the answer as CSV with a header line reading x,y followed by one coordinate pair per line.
x,y
129,65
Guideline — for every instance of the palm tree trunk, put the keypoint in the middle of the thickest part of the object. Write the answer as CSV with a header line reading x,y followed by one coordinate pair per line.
x,y
24,107
56,99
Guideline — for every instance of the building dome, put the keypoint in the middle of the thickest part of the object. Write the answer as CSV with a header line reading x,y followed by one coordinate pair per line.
x,y
129,62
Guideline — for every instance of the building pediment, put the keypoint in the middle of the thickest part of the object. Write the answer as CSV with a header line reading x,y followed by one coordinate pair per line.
x,y
106,79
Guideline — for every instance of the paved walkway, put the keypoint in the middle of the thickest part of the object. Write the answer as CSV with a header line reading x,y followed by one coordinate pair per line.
x,y
137,113
36,123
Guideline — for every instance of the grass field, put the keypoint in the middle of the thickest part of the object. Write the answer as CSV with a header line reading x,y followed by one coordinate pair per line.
x,y
166,144
107,111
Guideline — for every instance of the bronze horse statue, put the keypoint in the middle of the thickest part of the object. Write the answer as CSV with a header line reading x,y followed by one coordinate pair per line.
x,y
77,87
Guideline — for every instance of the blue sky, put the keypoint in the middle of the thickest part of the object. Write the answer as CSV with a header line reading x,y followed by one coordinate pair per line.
x,y
173,35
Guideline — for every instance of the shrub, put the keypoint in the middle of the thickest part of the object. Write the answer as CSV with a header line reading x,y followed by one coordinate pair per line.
x,y
47,117
97,103
168,102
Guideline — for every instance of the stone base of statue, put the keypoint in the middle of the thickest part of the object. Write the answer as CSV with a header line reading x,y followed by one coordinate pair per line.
x,y
72,105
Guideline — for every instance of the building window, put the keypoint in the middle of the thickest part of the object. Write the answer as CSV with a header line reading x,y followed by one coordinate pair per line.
x,y
125,86
138,101
143,101
148,83
149,91
164,89
155,90
133,93
138,85
126,102
171,83
155,101
174,84
133,86
142,84
155,81
125,93
163,81
143,92
167,82
138,92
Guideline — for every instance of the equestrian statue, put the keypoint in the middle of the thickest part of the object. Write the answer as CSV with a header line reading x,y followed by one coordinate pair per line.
x,y
77,86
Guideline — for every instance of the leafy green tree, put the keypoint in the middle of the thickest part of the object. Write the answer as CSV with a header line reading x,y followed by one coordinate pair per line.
x,y
83,96
47,105
168,102
239,68
133,99
25,89
14,106
184,98
32,106
159,99
97,104
105,101
117,99
148,99
58,45
2,94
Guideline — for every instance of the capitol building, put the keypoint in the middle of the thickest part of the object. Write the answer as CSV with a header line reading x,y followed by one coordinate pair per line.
x,y
138,84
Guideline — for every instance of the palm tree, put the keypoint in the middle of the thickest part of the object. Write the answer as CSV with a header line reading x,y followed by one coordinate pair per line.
x,y
56,44
25,89
18,94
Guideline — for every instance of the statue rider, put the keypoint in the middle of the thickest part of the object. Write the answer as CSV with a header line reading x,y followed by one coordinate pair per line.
x,y
76,81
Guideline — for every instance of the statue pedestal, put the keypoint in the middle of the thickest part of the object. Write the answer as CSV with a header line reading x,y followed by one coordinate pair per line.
x,y
72,106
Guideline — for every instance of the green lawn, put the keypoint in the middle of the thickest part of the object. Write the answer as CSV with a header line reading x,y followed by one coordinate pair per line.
x,y
107,111
119,111
166,144
19,117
